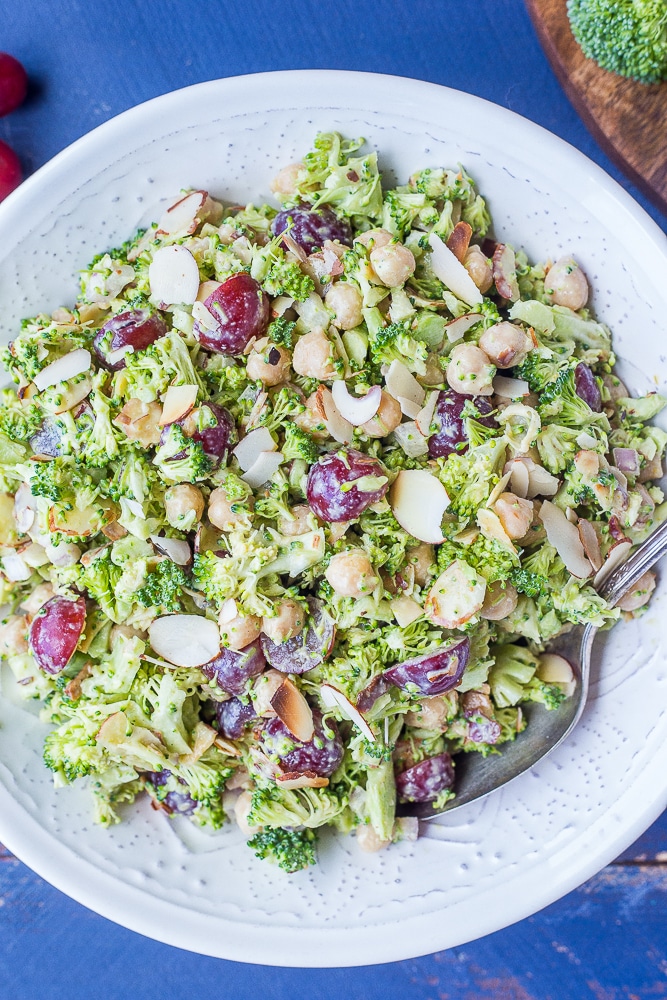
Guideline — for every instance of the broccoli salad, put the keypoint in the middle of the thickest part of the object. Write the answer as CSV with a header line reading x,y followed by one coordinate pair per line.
x,y
295,497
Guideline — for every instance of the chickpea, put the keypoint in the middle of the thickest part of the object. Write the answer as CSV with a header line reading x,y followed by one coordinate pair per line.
x,y
313,356
40,595
421,558
477,702
224,513
285,182
240,631
566,284
393,264
505,344
181,503
287,623
299,525
375,238
139,421
311,420
387,418
344,300
514,513
368,840
500,601
351,574
469,371
264,688
432,714
271,366
479,268
242,808
65,554
14,635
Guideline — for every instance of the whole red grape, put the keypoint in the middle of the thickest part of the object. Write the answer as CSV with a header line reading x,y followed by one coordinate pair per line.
x,y
10,170
13,83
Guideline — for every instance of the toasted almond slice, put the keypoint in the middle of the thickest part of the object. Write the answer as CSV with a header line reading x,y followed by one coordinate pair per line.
x,y
173,276
555,669
74,394
519,481
457,328
615,558
565,539
341,430
292,779
250,447
424,418
178,401
400,382
267,463
418,501
185,640
203,737
504,272
498,489
207,288
92,554
174,548
491,527
590,542
459,240
408,407
184,215
356,409
333,698
293,710
24,508
62,369
452,273
114,531
541,483
510,388
406,610
227,747
15,568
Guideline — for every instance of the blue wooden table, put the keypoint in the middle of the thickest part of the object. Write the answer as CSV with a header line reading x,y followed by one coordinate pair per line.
x,y
89,61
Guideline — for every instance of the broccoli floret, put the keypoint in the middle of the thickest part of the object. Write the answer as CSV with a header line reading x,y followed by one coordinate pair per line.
x,y
557,446
299,444
628,37
549,695
559,400
64,483
541,367
332,176
402,206
280,331
284,405
100,579
286,278
394,343
19,420
148,373
532,584
291,850
513,669
101,444
71,751
163,589
469,478
309,807
180,459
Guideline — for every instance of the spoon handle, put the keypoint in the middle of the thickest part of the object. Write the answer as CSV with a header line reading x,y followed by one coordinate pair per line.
x,y
627,575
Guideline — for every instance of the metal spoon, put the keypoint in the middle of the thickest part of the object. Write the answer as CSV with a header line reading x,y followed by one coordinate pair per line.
x,y
476,776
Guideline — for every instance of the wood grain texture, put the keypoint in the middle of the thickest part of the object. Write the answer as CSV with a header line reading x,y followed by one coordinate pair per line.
x,y
628,119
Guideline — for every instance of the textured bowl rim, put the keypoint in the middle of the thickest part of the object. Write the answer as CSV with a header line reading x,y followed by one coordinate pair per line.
x,y
140,911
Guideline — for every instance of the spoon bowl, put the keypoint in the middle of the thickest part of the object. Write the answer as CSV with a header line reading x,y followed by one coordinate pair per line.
x,y
477,776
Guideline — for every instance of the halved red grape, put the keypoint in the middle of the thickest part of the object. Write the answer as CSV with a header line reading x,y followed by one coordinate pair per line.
x,y
483,730
55,632
13,83
11,174
241,311
321,755
308,649
432,673
233,716
231,670
423,782
173,802
217,432
330,488
587,388
136,328
452,435
310,227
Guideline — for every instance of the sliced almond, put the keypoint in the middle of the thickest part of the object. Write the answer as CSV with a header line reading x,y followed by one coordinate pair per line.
x,y
555,669
333,698
25,506
266,464
174,548
418,501
451,272
249,448
306,780
457,328
400,382
341,430
173,276
114,531
184,215
293,710
207,288
356,409
565,539
424,418
408,407
504,272
519,480
590,542
405,610
74,394
587,463
203,737
185,640
615,558
15,568
62,369
510,388
498,489
491,527
178,401
459,240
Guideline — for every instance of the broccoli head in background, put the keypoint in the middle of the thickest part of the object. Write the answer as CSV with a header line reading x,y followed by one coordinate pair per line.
x,y
628,37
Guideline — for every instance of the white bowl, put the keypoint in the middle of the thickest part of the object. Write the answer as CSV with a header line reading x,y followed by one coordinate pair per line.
x,y
482,866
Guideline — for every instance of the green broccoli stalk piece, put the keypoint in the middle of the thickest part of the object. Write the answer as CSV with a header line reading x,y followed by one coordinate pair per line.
x,y
291,850
163,589
380,799
299,444
309,807
628,37
180,459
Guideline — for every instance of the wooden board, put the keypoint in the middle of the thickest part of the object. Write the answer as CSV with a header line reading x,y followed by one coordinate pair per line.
x,y
628,119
